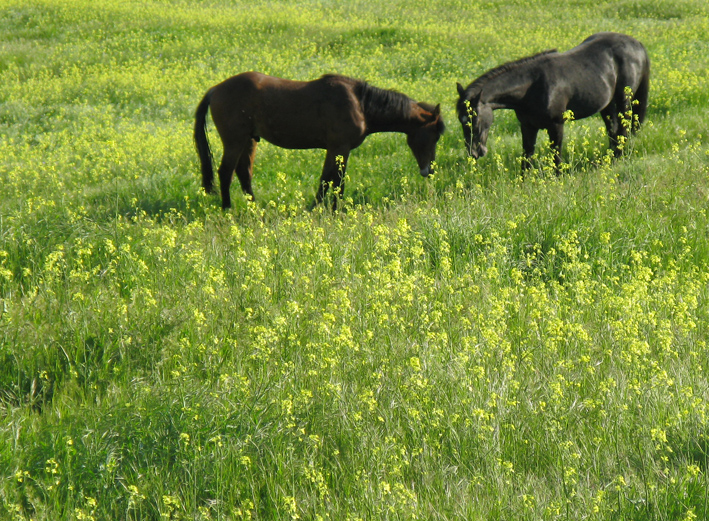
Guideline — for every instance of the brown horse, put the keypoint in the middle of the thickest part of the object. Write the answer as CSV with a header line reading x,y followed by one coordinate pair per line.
x,y
334,112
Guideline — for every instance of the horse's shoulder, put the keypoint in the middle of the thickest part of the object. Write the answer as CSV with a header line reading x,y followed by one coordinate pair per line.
x,y
336,80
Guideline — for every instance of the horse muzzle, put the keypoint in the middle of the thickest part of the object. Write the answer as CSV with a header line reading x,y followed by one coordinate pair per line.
x,y
425,172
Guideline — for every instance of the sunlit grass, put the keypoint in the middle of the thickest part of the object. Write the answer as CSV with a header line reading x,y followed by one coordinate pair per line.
x,y
469,346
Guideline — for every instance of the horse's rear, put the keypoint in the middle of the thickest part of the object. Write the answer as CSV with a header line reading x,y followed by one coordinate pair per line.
x,y
629,64
633,73
233,105
615,68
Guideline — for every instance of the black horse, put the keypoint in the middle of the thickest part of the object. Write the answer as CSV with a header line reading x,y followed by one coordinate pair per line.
x,y
607,73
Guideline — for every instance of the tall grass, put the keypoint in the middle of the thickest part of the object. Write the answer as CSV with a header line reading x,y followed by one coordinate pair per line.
x,y
470,346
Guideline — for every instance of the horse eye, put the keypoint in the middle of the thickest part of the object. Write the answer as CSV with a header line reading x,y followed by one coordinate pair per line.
x,y
464,119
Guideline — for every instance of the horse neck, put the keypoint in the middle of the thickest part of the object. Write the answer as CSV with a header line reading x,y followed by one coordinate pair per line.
x,y
507,90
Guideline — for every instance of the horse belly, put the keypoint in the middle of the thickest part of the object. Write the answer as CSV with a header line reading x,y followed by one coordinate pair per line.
x,y
303,124
590,97
289,127
289,137
587,106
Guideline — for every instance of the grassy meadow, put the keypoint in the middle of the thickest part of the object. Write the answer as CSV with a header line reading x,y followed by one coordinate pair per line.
x,y
469,346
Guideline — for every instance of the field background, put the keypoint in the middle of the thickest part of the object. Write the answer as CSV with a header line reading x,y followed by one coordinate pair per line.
x,y
468,346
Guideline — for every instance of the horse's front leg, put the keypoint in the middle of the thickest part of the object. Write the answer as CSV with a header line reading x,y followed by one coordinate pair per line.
x,y
556,138
333,173
529,141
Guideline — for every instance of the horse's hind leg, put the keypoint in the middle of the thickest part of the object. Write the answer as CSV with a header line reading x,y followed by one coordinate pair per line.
x,y
556,138
244,168
232,154
621,110
611,119
640,107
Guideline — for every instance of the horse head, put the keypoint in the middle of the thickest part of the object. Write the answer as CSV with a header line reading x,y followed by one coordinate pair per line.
x,y
476,119
423,139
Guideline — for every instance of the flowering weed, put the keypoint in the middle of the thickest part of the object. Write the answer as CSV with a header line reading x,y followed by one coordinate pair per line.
x,y
472,345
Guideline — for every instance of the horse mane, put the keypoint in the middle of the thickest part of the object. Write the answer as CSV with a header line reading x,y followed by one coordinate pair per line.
x,y
382,104
479,83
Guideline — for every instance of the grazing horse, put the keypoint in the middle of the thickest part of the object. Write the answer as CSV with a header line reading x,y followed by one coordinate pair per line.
x,y
607,73
334,112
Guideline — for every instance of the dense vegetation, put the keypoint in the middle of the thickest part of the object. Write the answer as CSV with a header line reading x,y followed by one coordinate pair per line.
x,y
468,346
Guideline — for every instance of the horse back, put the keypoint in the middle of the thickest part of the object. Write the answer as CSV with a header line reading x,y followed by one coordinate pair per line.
x,y
621,52
588,77
288,113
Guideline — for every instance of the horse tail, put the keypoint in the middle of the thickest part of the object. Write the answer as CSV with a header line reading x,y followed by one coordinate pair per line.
x,y
641,96
202,143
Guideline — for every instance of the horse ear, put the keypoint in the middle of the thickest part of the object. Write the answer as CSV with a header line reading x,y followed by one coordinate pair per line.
x,y
437,110
461,90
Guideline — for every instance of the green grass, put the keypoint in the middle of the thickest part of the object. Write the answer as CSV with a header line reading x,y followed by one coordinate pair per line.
x,y
468,346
